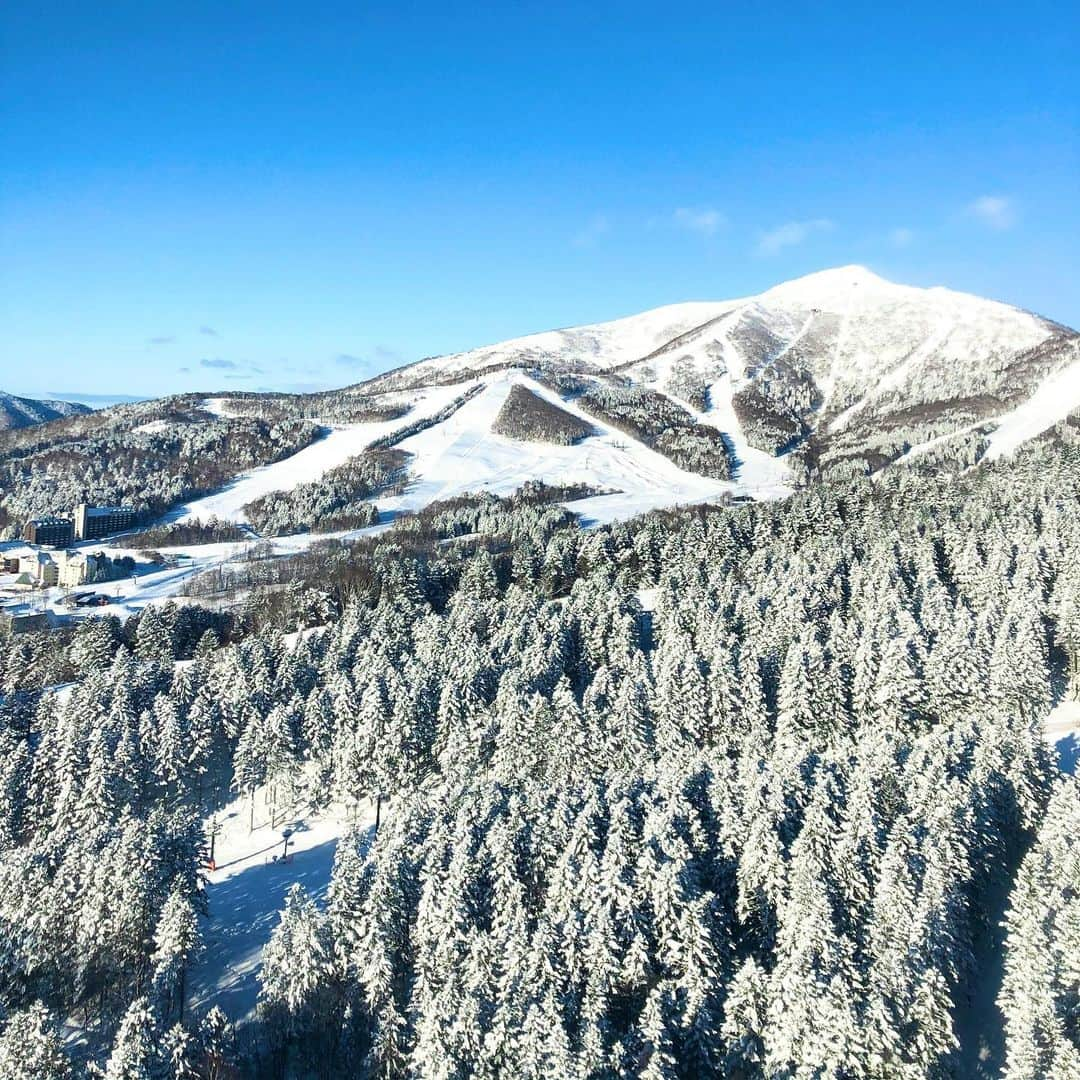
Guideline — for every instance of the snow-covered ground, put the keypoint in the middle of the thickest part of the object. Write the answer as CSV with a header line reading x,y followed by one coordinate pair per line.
x,y
128,596
1063,733
246,893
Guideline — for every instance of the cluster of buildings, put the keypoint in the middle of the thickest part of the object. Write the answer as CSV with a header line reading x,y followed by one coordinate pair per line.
x,y
85,523
61,566
68,569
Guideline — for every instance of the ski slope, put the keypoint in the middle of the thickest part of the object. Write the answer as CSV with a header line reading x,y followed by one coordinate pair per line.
x,y
1054,400
335,448
463,454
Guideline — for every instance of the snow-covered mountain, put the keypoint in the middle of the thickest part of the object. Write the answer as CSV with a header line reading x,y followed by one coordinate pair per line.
x,y
782,757
840,365
20,412
840,372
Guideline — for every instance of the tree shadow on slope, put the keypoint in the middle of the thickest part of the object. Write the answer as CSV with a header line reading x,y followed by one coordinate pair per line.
x,y
244,910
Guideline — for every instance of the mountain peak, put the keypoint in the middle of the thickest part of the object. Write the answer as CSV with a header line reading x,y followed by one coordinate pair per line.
x,y
826,288
853,274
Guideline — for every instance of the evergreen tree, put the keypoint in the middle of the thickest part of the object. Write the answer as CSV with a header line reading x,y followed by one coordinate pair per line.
x,y
31,1049
176,937
297,968
136,1053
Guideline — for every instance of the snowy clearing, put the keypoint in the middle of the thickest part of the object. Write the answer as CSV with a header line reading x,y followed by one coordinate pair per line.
x,y
1063,733
246,893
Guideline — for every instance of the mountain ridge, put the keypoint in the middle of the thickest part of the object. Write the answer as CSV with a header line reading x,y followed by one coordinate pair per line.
x,y
846,368
22,412
822,288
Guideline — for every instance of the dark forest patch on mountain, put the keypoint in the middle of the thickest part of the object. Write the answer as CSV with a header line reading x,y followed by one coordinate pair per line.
x,y
530,418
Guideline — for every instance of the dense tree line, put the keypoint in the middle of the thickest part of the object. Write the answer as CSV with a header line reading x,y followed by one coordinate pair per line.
x,y
316,585
336,501
326,406
756,839
687,382
183,533
1040,994
30,662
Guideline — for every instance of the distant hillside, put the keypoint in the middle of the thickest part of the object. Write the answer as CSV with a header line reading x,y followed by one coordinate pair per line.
x,y
20,412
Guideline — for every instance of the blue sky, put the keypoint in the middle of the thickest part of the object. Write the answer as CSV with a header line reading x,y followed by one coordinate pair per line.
x,y
248,195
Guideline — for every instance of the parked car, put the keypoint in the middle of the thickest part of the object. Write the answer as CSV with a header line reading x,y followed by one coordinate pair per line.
x,y
92,600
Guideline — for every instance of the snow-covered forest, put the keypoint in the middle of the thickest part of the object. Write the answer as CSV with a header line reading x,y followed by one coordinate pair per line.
x,y
335,501
779,819
525,415
150,456
662,424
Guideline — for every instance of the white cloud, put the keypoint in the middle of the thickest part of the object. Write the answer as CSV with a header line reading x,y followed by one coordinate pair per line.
x,y
994,211
901,237
598,225
790,235
704,220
